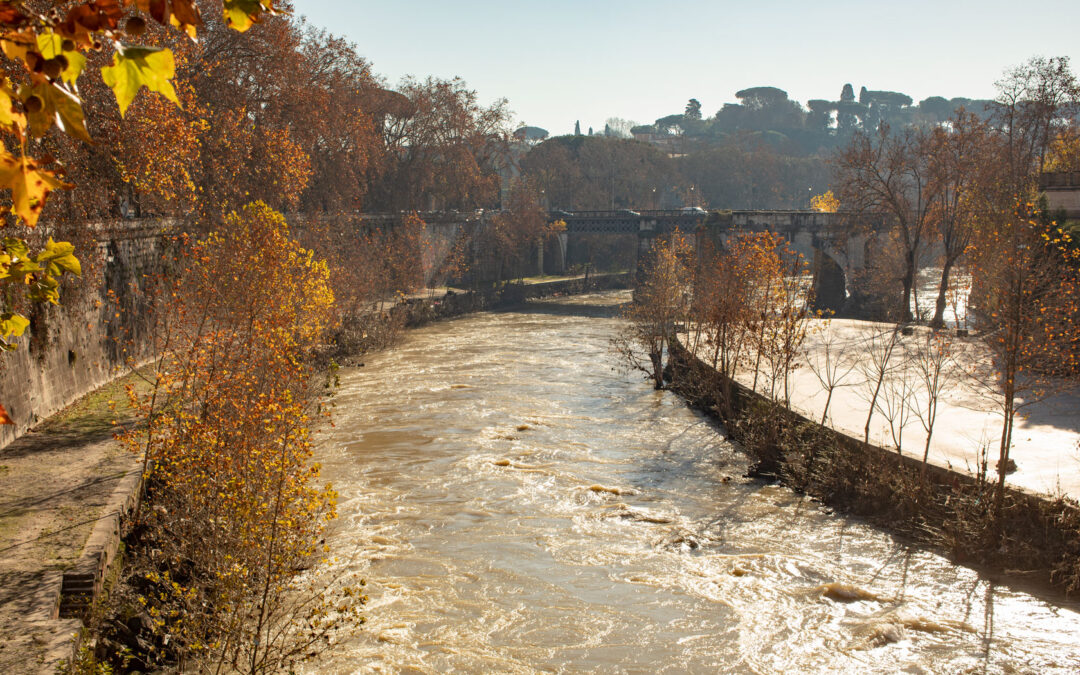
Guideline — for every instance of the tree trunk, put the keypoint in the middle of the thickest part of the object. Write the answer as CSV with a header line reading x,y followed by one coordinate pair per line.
x,y
943,288
656,355
1003,454
873,404
825,412
909,284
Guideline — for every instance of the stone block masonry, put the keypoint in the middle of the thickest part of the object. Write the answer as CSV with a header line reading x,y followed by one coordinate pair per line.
x,y
81,345
1037,539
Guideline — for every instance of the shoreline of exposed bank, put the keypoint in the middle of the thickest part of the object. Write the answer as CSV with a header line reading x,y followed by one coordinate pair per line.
x,y
934,506
56,605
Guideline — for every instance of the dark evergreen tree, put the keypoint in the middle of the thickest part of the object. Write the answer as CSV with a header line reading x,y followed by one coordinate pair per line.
x,y
693,110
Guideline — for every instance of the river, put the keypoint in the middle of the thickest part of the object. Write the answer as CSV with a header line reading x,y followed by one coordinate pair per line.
x,y
520,503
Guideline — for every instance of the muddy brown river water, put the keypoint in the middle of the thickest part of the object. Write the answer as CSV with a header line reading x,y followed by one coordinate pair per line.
x,y
518,503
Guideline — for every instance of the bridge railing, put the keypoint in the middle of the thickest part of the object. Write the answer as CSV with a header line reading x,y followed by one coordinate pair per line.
x,y
632,213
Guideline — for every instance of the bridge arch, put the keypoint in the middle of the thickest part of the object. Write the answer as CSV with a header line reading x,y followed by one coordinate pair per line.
x,y
809,233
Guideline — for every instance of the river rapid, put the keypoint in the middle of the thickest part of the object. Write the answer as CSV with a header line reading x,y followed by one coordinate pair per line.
x,y
519,503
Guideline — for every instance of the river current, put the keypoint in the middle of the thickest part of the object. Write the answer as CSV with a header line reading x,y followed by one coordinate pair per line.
x,y
518,503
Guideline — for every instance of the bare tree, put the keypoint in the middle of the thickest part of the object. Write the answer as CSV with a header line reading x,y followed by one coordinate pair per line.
x,y
897,400
876,366
933,360
833,369
965,166
889,173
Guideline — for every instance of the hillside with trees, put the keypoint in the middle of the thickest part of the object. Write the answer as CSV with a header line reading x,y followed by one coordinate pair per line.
x,y
765,151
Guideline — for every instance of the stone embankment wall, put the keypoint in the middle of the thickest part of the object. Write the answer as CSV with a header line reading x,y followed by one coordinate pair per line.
x,y
89,339
1038,538
420,311
379,329
96,334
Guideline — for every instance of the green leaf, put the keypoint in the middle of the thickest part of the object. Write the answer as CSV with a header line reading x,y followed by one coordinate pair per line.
x,y
16,248
12,325
137,67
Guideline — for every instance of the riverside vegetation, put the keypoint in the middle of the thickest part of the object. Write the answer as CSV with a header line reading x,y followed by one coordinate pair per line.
x,y
746,312
972,188
233,337
222,568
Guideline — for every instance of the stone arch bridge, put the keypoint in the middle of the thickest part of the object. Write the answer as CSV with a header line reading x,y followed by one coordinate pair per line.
x,y
835,244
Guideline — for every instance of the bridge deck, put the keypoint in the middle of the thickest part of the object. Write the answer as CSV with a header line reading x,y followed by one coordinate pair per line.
x,y
647,222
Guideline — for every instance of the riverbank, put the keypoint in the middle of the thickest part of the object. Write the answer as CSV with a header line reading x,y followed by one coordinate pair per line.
x,y
947,509
519,502
1046,438
64,486
379,329
66,482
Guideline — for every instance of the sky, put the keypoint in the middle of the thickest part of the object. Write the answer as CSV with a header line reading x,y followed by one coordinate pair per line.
x,y
561,61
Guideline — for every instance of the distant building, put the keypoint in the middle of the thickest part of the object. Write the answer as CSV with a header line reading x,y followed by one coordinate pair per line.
x,y
666,142
1062,192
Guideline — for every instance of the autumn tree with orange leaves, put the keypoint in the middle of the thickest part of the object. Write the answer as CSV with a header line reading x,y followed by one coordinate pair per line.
x,y
515,232
47,47
442,148
662,303
1064,152
1026,276
233,508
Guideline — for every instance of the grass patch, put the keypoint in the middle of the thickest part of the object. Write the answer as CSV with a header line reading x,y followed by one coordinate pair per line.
x,y
96,412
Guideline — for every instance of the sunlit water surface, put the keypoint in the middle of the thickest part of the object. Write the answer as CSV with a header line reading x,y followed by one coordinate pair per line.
x,y
518,504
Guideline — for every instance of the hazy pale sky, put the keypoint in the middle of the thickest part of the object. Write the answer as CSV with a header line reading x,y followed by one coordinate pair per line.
x,y
560,61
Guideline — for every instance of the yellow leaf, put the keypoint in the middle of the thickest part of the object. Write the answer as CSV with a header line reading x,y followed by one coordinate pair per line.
x,y
57,105
76,63
50,45
9,116
60,257
16,45
242,14
137,67
12,325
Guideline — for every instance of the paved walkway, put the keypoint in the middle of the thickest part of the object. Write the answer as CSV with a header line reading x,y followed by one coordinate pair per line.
x,y
1046,438
55,482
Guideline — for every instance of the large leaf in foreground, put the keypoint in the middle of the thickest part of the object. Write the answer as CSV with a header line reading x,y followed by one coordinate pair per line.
x,y
136,67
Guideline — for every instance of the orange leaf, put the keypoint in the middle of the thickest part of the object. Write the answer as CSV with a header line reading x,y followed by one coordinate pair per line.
x,y
4,418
